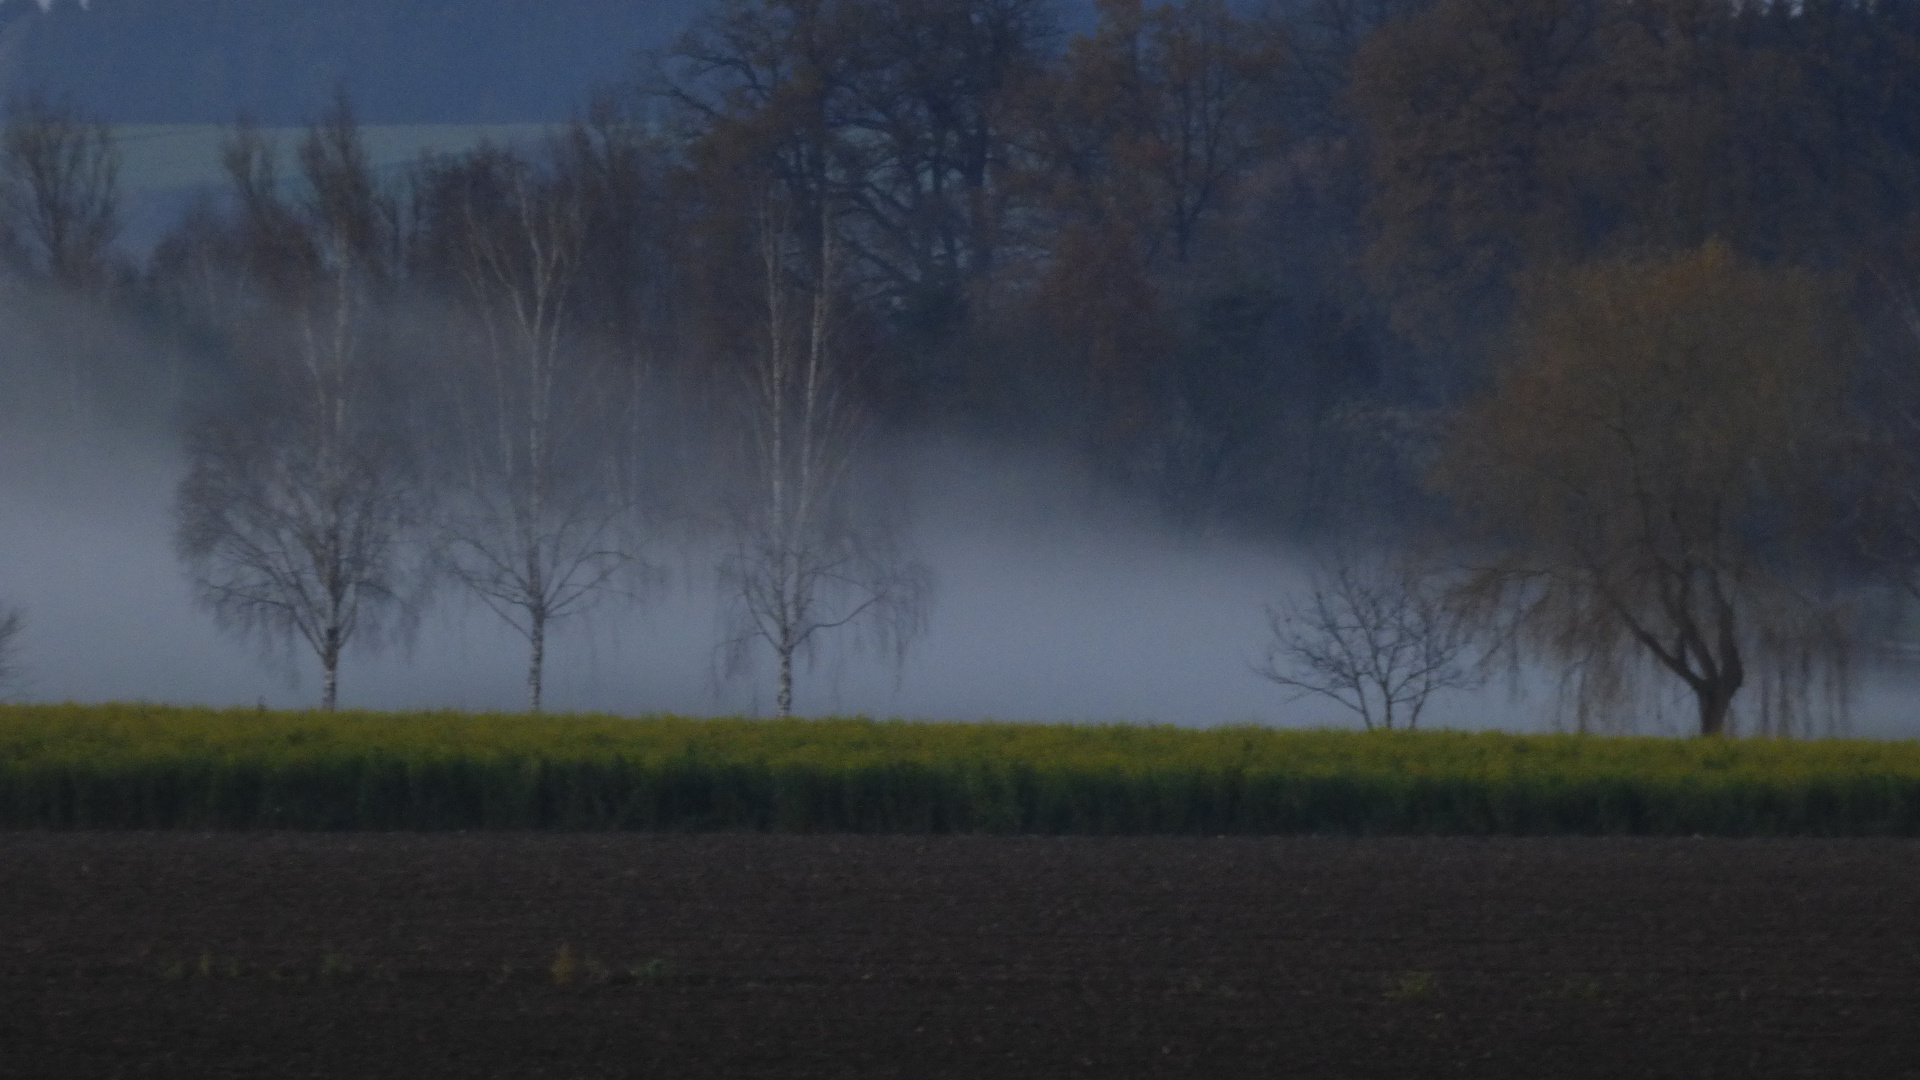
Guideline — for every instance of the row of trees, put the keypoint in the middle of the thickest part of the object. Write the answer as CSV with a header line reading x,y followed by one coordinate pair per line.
x,y
1616,298
419,393
439,381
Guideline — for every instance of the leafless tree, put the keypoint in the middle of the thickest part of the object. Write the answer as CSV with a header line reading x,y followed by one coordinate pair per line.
x,y
291,534
533,526
1379,640
801,562
59,186
294,515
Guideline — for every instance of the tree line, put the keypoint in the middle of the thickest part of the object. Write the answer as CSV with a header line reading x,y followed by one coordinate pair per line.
x,y
1609,305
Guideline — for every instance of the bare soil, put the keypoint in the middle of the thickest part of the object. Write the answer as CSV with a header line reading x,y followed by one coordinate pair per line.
x,y
385,955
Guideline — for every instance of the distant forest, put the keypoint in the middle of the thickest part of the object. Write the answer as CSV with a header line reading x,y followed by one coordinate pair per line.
x,y
1627,291
1231,252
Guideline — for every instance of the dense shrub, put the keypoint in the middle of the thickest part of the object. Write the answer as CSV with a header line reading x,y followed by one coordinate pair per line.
x,y
152,767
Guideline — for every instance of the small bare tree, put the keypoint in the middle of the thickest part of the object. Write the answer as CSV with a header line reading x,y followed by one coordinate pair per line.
x,y
532,529
59,187
1379,641
801,563
295,511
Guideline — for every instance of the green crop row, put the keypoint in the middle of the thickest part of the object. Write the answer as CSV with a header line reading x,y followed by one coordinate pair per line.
x,y
154,767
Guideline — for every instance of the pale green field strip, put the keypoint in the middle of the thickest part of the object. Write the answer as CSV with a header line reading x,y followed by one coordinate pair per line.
x,y
168,156
140,766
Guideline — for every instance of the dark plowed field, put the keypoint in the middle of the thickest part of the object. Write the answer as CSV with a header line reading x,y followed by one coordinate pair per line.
x,y
365,955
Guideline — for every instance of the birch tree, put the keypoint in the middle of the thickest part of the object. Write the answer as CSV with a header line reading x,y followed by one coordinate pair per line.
x,y
532,529
802,563
294,517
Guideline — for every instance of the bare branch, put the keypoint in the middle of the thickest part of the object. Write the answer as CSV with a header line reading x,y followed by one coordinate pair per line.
x,y
1378,639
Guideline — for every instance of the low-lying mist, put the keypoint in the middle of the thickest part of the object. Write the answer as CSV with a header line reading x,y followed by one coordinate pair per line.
x,y
1046,605
1055,597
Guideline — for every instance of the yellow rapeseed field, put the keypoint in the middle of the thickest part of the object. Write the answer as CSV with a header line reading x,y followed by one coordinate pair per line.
x,y
150,766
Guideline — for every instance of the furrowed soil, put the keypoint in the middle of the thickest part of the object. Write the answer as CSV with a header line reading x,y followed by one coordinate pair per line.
x,y
411,955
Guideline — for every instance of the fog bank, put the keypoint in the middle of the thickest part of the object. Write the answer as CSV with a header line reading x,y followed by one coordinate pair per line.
x,y
1053,601
1055,597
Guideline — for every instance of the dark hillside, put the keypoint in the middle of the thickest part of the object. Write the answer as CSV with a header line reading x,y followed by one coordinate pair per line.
x,y
404,61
